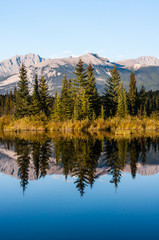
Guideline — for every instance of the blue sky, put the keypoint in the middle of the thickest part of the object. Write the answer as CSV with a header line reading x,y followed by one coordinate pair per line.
x,y
116,29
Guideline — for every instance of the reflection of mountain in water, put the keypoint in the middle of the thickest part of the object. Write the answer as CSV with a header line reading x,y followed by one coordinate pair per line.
x,y
86,159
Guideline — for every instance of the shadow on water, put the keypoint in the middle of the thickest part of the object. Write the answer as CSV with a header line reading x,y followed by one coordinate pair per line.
x,y
83,156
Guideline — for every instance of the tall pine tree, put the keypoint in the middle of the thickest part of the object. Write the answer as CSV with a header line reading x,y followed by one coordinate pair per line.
x,y
44,96
78,86
57,111
111,92
142,102
80,81
22,95
66,101
36,107
122,109
91,91
132,95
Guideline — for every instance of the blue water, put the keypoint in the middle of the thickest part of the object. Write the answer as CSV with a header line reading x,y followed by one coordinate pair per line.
x,y
52,208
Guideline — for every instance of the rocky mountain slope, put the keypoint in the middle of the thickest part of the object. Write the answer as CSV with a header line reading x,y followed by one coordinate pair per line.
x,y
146,70
139,62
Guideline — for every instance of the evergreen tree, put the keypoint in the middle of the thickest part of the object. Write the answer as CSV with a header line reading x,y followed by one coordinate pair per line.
x,y
1,105
76,110
36,107
142,102
102,112
111,92
66,101
92,92
22,95
57,116
11,103
85,109
78,85
7,105
122,109
44,96
132,95
80,81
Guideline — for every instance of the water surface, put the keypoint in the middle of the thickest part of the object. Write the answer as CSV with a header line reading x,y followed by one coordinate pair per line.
x,y
78,187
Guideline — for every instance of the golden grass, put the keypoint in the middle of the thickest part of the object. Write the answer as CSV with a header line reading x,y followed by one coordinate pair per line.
x,y
117,126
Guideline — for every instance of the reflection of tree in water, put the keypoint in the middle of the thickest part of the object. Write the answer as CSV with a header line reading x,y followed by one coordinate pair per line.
x,y
36,157
39,152
133,156
45,154
79,158
22,149
115,156
116,152
143,147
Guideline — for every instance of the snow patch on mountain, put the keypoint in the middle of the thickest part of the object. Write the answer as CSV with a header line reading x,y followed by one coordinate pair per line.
x,y
55,69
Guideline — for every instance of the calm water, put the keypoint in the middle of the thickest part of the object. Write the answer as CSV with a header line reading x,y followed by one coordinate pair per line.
x,y
78,187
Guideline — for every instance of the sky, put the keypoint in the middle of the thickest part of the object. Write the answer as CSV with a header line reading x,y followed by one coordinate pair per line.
x,y
117,29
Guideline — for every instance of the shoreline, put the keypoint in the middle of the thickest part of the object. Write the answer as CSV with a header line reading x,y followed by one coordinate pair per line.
x,y
115,126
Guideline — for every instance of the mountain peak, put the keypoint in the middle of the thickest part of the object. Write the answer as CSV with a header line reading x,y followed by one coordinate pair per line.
x,y
148,60
94,59
143,61
13,64
55,69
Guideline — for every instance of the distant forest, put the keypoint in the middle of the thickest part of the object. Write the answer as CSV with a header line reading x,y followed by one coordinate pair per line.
x,y
79,98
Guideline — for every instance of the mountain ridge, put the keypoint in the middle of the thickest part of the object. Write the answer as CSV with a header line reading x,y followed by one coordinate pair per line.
x,y
146,69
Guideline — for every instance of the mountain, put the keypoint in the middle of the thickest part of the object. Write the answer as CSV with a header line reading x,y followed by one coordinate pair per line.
x,y
146,70
139,62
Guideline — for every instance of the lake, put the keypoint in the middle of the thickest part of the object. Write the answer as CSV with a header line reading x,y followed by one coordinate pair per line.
x,y
78,186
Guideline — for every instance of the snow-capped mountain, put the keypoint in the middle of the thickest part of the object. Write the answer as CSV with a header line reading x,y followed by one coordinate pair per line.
x,y
146,70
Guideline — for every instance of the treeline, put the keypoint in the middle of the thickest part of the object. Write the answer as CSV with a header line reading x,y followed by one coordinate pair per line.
x,y
79,98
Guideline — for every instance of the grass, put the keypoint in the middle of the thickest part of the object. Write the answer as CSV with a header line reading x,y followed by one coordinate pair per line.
x,y
117,126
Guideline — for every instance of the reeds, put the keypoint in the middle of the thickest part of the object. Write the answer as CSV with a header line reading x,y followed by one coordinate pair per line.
x,y
118,126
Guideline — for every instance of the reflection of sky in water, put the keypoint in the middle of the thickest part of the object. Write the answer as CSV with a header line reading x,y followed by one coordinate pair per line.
x,y
122,204
52,208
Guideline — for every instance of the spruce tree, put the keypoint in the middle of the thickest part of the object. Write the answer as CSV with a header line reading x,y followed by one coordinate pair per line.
x,y
102,112
36,107
80,81
7,104
111,92
66,101
1,105
57,111
22,95
78,85
85,110
11,103
76,110
122,109
142,101
132,95
91,91
44,96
